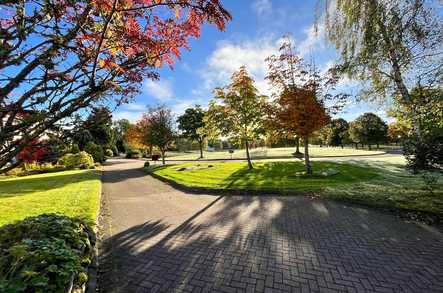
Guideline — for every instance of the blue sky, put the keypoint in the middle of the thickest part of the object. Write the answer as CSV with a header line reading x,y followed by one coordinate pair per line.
x,y
252,35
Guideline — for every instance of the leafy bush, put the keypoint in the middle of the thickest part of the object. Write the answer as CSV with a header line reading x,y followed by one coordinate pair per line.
x,y
43,253
34,168
147,164
114,150
133,154
75,149
96,151
76,160
426,154
109,153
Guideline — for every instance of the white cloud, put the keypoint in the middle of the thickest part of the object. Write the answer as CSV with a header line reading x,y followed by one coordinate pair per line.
x,y
313,41
159,89
132,116
230,56
135,107
262,7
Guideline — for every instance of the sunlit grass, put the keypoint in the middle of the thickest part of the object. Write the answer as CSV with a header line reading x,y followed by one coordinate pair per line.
x,y
73,193
273,153
286,176
381,183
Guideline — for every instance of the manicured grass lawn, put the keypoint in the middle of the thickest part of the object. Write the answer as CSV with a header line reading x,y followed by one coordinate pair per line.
x,y
370,182
315,151
284,176
73,193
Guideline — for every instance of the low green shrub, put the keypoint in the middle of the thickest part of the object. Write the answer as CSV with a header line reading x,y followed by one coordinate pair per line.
x,y
133,154
114,150
147,164
44,253
34,168
75,149
96,151
76,160
109,153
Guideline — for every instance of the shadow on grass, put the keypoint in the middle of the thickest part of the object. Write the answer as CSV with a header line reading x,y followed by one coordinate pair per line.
x,y
287,243
287,176
43,182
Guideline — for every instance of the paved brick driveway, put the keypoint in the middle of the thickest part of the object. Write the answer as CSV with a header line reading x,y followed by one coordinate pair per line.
x,y
158,239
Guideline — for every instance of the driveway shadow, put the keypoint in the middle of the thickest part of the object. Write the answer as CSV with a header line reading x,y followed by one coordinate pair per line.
x,y
237,244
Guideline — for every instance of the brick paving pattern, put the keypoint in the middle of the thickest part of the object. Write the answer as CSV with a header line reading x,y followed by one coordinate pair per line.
x,y
158,239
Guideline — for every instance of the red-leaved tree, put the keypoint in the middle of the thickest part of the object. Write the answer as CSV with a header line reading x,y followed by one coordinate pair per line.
x,y
59,56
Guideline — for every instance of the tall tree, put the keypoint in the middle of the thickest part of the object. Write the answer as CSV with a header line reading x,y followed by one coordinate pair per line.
x,y
120,127
159,128
369,129
240,111
58,57
301,93
301,111
337,132
99,125
396,45
191,124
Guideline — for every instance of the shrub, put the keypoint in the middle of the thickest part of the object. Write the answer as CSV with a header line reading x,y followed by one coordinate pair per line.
x,y
43,253
96,151
76,160
109,153
114,150
426,154
75,149
133,154
147,164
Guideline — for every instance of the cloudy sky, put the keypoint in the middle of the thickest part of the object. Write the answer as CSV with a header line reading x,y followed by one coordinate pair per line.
x,y
252,36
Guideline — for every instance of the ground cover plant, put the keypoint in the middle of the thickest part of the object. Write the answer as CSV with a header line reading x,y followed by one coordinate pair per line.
x,y
47,253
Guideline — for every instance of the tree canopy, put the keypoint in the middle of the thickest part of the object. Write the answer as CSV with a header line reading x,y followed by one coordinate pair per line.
x,y
392,46
158,128
238,110
58,57
191,124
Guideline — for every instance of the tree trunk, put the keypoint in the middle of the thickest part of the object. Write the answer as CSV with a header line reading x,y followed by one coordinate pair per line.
x,y
250,167
163,156
356,146
307,161
398,77
297,145
369,146
200,144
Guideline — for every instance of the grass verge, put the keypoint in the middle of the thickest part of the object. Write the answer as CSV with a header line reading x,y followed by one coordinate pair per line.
x,y
73,193
381,184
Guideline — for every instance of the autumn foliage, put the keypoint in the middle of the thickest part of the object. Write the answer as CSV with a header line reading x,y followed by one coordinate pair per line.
x,y
59,56
300,111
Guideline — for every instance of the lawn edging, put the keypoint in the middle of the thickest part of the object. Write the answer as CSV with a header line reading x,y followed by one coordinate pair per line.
x,y
92,283
406,214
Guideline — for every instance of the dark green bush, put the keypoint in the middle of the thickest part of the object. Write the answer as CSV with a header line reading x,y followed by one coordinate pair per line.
x,y
147,164
133,154
109,153
43,253
424,154
96,151
114,150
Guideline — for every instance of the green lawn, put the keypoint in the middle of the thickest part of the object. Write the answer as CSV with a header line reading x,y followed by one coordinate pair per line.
x,y
371,182
315,151
73,193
